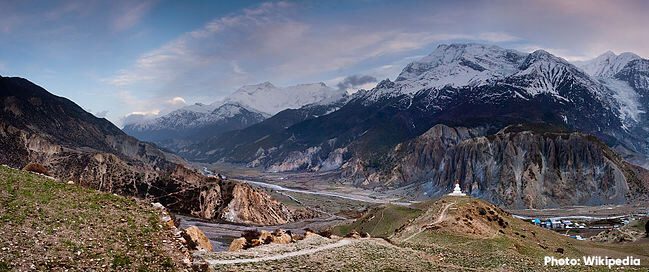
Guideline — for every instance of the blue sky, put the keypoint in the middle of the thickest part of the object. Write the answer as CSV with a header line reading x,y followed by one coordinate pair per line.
x,y
116,58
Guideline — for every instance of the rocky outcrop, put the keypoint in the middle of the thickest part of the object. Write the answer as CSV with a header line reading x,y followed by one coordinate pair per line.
x,y
516,167
254,238
250,206
196,239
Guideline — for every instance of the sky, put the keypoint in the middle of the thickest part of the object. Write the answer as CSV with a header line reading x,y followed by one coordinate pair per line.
x,y
124,59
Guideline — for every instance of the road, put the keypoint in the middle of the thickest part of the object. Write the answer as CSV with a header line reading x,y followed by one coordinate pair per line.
x,y
307,251
441,217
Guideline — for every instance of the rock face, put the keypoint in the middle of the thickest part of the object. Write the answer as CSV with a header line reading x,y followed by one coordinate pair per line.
x,y
197,239
39,128
515,167
250,206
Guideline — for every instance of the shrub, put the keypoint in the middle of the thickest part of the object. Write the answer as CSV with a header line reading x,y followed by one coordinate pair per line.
x,y
36,168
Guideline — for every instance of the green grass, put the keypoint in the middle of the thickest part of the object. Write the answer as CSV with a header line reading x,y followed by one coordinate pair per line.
x,y
381,221
69,226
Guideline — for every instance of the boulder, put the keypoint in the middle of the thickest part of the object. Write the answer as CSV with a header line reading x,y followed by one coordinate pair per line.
x,y
281,237
237,244
353,234
309,233
265,236
256,242
197,239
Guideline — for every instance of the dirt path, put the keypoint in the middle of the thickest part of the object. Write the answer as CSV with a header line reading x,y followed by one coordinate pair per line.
x,y
340,243
441,217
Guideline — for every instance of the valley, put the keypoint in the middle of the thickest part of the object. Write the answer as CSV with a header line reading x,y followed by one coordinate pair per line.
x,y
391,140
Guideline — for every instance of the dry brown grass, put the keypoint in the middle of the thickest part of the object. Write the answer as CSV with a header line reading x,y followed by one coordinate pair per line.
x,y
36,168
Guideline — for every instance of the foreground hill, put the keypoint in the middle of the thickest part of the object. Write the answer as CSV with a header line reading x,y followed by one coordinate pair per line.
x,y
449,234
52,226
73,145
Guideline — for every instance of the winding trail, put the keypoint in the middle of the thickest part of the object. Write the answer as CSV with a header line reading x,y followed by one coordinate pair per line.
x,y
307,251
441,217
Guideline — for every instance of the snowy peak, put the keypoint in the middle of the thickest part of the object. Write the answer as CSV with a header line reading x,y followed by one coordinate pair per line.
x,y
459,65
542,72
269,99
607,64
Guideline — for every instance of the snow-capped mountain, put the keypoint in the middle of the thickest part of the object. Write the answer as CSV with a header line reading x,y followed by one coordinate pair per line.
x,y
269,99
246,106
458,65
607,64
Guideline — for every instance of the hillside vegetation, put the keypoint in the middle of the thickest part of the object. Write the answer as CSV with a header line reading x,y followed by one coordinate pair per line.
x,y
48,225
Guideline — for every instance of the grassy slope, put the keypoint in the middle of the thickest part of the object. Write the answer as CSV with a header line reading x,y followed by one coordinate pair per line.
x,y
49,225
381,221
477,243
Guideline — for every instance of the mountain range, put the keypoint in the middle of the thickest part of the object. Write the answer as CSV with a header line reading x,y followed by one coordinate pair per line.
x,y
371,136
247,106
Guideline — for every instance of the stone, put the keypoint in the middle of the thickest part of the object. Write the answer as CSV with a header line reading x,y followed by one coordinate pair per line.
x,y
309,233
281,237
265,236
70,182
197,239
237,244
256,242
353,234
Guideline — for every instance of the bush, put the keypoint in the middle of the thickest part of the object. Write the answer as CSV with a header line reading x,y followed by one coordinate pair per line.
x,y
36,168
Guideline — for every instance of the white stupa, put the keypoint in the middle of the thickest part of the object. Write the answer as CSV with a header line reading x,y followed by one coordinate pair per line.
x,y
457,191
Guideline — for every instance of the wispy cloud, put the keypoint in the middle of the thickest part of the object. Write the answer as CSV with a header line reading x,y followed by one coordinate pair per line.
x,y
130,14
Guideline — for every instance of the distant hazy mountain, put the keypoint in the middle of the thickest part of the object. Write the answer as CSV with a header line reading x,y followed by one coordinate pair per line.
x,y
247,106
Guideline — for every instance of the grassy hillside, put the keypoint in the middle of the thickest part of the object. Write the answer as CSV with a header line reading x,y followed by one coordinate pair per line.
x,y
473,234
49,225
381,221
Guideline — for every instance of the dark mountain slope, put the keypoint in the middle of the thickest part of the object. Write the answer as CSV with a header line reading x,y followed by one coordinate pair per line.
x,y
38,127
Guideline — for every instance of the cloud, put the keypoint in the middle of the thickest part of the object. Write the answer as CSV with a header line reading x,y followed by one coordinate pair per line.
x,y
139,117
354,81
130,14
177,101
101,114
269,42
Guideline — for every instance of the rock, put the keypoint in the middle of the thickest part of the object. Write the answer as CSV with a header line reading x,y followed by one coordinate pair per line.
x,y
256,242
353,234
70,182
281,237
252,206
265,236
157,205
559,250
197,239
309,233
365,235
238,244
169,222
